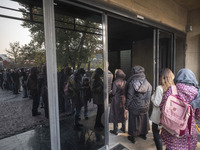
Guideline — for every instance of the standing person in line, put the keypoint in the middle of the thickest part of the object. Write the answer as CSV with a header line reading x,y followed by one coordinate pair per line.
x,y
24,83
138,93
86,95
32,86
117,106
166,79
98,97
74,87
188,90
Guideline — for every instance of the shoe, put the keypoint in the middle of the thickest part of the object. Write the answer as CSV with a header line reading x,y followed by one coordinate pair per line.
x,y
123,130
113,132
143,136
86,118
132,139
36,113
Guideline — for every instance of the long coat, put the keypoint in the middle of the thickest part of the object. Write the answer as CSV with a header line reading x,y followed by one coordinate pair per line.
x,y
137,103
117,106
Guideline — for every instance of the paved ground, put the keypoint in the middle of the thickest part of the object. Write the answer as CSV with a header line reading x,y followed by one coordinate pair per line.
x,y
16,115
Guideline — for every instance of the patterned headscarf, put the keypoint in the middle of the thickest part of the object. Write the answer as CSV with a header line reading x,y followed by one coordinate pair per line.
x,y
186,76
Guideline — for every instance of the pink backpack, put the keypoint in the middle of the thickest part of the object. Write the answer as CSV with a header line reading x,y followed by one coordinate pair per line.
x,y
176,114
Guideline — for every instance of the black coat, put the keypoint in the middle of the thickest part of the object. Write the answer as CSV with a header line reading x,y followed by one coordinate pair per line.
x,y
138,93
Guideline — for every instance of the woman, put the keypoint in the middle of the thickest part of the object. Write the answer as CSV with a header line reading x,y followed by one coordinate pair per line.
x,y
117,107
98,99
138,93
166,80
186,85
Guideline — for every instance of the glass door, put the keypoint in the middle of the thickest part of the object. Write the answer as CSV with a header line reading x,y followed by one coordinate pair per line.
x,y
163,53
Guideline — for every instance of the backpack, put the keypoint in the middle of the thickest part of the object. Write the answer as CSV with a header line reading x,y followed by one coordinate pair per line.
x,y
176,114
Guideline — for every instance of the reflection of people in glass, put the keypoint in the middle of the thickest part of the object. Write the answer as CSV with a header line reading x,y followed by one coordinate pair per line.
x,y
138,93
15,81
74,88
32,86
86,95
97,94
42,90
24,84
117,106
166,80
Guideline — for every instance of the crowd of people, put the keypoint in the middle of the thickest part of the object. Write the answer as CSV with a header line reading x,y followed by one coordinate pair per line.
x,y
129,99
133,97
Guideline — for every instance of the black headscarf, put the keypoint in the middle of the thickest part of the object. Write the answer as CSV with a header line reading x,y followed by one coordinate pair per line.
x,y
186,76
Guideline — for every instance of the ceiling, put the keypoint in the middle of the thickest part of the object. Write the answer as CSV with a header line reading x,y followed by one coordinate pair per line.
x,y
189,4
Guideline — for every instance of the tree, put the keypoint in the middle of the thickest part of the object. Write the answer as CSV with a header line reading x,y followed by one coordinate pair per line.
x,y
14,50
75,45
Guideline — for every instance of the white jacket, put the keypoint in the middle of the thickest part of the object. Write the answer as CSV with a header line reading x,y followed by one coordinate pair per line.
x,y
156,98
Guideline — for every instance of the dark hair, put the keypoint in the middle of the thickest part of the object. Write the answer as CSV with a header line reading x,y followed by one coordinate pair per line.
x,y
97,73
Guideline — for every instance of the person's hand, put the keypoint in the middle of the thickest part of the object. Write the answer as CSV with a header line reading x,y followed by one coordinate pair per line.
x,y
125,114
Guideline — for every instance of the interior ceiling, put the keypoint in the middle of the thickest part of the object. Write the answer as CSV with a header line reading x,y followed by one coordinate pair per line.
x,y
122,34
189,4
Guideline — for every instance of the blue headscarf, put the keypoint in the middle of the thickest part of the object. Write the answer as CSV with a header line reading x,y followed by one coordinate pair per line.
x,y
186,76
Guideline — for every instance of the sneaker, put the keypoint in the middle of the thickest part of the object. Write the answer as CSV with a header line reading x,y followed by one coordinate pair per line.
x,y
123,130
113,132
132,139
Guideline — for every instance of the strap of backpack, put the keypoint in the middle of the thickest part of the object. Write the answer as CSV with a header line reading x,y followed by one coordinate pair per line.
x,y
190,128
174,90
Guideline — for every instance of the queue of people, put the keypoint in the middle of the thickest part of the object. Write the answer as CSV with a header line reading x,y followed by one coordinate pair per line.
x,y
130,100
137,95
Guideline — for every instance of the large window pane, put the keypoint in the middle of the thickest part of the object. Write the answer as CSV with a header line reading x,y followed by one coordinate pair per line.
x,y
23,106
79,45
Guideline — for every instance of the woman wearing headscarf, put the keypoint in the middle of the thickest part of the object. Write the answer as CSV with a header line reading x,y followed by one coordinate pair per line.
x,y
97,94
117,107
187,90
138,93
166,80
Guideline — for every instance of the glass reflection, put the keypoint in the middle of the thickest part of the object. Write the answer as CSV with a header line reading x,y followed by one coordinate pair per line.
x,y
23,75
80,83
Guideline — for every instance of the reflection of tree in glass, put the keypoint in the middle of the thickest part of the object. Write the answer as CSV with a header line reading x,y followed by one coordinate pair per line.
x,y
14,50
77,40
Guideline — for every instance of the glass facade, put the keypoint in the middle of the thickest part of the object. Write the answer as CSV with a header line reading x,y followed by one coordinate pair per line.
x,y
49,97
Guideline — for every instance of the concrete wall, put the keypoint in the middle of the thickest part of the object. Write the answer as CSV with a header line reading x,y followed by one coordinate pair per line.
x,y
163,11
142,54
193,43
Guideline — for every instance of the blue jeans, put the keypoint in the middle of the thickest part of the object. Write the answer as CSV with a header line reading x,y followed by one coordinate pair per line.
x,y
24,92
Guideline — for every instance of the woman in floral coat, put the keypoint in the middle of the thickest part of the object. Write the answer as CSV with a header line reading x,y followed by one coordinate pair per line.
x,y
186,84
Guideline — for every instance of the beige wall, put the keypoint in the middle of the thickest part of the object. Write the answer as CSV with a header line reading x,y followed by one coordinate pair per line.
x,y
163,11
193,43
